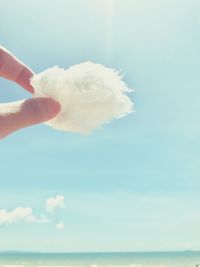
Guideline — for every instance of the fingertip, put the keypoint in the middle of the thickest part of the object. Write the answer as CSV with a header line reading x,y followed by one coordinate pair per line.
x,y
17,115
23,79
39,109
54,107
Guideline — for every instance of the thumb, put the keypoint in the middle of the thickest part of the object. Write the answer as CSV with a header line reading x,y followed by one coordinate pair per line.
x,y
17,115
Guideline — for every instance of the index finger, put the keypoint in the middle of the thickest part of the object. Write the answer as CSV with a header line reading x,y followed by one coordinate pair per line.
x,y
13,69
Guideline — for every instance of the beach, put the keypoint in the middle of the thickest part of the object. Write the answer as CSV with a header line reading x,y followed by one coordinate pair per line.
x,y
122,259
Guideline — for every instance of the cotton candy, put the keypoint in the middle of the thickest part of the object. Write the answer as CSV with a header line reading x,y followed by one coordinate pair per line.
x,y
90,95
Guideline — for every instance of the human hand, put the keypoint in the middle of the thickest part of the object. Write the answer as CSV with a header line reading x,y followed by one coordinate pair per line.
x,y
20,114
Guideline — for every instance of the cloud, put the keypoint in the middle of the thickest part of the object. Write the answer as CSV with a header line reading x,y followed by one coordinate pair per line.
x,y
60,225
52,204
20,214
26,214
99,92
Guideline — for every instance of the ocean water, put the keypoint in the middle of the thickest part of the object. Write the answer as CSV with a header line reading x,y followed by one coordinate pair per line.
x,y
147,259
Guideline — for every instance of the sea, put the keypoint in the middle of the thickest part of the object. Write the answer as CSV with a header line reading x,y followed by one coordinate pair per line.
x,y
120,259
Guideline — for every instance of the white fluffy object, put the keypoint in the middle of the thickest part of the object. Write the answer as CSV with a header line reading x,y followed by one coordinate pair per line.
x,y
89,94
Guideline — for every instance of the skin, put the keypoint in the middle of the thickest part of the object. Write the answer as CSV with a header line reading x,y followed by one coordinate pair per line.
x,y
17,115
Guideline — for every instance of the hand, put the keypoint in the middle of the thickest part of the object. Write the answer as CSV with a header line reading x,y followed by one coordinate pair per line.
x,y
17,115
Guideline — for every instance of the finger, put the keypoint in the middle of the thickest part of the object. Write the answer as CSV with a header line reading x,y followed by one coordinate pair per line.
x,y
23,79
13,69
17,115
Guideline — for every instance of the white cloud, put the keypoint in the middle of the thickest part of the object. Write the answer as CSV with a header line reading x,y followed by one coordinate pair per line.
x,y
20,214
60,225
26,214
99,92
52,204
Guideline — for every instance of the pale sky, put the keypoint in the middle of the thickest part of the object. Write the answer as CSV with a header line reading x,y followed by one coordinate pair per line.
x,y
134,184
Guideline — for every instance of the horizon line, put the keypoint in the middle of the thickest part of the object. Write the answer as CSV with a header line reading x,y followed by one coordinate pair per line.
x,y
98,252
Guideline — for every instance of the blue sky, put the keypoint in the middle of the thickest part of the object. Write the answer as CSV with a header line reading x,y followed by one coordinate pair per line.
x,y
134,184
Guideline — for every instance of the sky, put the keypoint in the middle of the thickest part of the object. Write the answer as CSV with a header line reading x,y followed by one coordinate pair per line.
x,y
134,184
